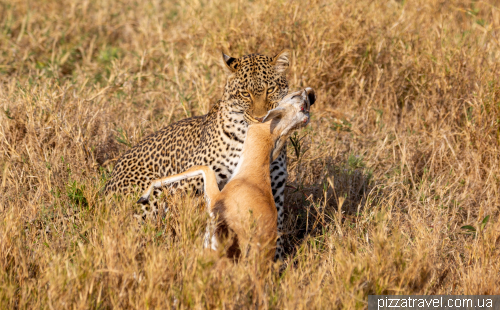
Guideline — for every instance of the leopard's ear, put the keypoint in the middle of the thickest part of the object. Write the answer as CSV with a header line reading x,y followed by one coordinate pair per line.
x,y
281,62
231,64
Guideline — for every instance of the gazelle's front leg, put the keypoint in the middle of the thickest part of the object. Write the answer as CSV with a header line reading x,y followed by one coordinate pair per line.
x,y
278,183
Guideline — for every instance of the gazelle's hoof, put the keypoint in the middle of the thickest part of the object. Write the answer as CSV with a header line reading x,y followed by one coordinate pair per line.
x,y
143,200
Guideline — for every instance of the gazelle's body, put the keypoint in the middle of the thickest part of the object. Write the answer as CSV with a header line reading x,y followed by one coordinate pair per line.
x,y
246,204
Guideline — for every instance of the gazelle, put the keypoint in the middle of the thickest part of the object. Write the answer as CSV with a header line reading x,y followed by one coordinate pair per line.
x,y
247,199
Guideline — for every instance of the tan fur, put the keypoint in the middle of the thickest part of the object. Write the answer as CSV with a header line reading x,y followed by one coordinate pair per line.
x,y
246,204
255,84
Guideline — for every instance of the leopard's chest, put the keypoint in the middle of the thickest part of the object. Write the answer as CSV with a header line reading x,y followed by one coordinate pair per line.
x,y
222,154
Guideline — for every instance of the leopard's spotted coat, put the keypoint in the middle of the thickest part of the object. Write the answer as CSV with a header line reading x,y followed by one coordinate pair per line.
x,y
255,84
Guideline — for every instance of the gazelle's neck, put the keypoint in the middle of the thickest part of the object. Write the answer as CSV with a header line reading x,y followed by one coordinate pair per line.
x,y
255,157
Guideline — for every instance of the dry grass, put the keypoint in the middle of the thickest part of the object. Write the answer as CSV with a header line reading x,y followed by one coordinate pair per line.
x,y
402,152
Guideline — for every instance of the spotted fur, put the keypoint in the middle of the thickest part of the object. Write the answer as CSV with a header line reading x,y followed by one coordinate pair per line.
x,y
255,84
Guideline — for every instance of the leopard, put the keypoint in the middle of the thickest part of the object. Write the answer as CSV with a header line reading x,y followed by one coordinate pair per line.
x,y
255,84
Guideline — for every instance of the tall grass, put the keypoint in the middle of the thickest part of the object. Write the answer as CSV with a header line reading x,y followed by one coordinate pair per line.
x,y
394,188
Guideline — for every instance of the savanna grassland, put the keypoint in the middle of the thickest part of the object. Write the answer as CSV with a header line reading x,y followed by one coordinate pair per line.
x,y
394,187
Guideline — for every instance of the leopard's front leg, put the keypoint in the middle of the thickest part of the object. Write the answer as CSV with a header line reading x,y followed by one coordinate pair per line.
x,y
278,183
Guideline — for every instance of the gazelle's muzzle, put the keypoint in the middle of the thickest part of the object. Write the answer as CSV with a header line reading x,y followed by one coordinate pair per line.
x,y
307,99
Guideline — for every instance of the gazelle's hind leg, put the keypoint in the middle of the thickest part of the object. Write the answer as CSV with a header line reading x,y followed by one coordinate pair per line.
x,y
209,182
211,191
154,184
209,239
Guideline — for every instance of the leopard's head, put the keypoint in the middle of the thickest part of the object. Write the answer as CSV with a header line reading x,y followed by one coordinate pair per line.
x,y
256,83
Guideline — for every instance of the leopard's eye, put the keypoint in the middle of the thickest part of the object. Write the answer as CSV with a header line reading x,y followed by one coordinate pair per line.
x,y
245,94
271,90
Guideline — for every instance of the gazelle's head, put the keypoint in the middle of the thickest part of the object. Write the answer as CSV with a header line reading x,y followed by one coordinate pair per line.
x,y
291,113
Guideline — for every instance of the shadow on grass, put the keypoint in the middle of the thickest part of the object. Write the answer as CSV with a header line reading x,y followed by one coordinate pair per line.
x,y
312,207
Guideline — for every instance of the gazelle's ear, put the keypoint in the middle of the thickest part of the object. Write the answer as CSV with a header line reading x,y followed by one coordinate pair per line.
x,y
281,62
231,64
311,95
274,113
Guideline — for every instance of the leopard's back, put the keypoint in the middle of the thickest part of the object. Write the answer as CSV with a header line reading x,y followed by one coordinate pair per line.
x,y
165,152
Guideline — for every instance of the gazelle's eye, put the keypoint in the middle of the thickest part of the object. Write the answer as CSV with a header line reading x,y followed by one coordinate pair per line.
x,y
271,90
245,94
